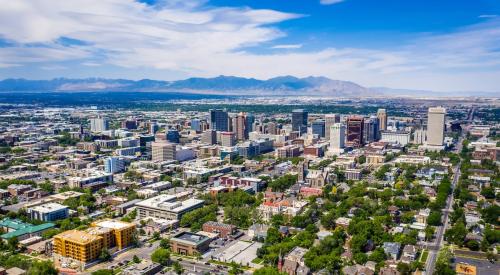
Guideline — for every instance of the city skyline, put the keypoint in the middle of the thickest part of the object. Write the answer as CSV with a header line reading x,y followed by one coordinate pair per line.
x,y
445,46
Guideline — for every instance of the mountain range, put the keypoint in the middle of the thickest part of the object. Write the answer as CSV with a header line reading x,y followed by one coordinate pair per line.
x,y
223,85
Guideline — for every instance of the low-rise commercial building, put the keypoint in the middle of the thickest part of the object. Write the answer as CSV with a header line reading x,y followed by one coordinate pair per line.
x,y
166,207
48,212
187,243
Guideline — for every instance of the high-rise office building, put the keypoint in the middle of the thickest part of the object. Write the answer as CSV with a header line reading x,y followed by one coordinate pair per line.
x,y
228,139
99,124
299,120
435,126
114,165
330,119
355,126
271,128
209,137
337,137
219,120
153,128
382,119
240,127
173,136
163,151
196,125
318,128
250,120
370,130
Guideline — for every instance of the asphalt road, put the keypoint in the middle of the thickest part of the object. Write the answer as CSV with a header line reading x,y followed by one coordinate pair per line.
x,y
431,259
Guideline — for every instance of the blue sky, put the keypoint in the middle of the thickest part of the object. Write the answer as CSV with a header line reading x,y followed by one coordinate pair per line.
x,y
436,45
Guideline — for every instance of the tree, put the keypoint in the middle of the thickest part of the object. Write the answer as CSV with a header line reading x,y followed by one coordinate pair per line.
x,y
488,192
456,234
434,218
235,269
443,266
178,268
42,267
105,255
404,269
136,259
161,256
473,245
156,235
268,270
429,233
13,243
165,243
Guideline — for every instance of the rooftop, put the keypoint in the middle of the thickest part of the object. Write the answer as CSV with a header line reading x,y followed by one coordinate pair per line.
x,y
113,224
191,238
77,236
21,228
48,207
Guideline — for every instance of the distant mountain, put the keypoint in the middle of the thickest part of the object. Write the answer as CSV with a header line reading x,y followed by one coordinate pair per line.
x,y
228,85
283,85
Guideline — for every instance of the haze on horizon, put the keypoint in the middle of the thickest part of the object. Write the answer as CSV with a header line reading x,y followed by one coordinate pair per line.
x,y
432,45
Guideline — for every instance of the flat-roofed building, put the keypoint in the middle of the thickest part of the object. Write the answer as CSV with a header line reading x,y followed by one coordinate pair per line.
x,y
86,246
48,212
187,243
166,207
78,245
122,232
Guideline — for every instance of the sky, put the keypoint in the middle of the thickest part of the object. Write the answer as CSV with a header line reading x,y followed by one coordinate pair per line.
x,y
445,45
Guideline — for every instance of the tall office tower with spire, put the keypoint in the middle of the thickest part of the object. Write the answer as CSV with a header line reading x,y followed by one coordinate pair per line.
x,y
330,119
337,137
382,119
219,120
299,120
435,126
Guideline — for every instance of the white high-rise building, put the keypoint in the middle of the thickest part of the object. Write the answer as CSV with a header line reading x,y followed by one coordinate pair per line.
x,y
337,137
435,126
330,119
99,124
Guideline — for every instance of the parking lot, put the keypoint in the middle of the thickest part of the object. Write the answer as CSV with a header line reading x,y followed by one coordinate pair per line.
x,y
484,267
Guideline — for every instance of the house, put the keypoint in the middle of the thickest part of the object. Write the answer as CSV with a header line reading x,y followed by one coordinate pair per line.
x,y
409,254
389,271
343,222
392,249
358,270
258,231
294,263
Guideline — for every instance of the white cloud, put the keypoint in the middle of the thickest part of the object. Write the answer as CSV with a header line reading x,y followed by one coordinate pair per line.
x,y
193,39
287,46
488,16
330,2
91,64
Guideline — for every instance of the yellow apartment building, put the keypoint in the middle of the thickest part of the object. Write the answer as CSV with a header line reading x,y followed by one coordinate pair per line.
x,y
86,246
78,245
